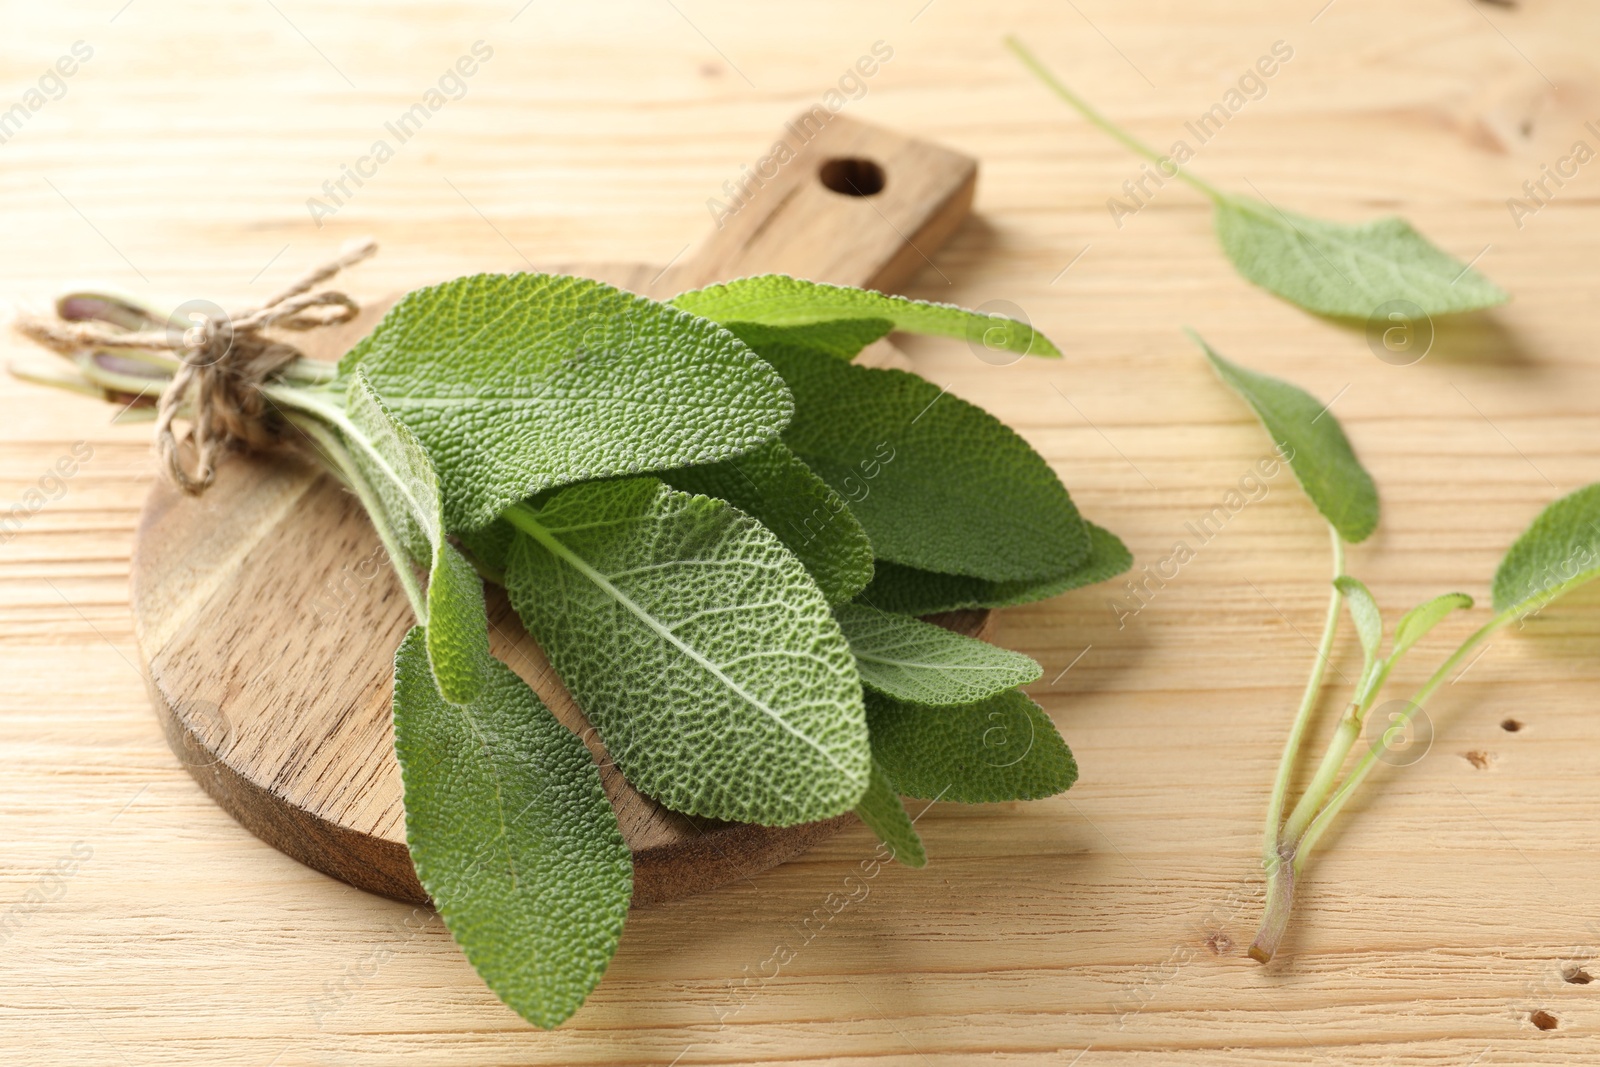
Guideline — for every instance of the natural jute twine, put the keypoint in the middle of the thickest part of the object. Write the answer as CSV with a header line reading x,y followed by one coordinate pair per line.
x,y
224,364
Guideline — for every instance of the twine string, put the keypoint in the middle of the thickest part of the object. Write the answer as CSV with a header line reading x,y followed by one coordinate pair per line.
x,y
223,364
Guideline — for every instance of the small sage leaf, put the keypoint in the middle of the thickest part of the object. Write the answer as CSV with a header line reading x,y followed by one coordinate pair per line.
x,y
1364,611
918,663
1415,624
775,486
1004,748
1557,553
398,468
519,383
512,836
400,471
698,646
885,815
1314,444
911,591
779,300
1343,270
458,626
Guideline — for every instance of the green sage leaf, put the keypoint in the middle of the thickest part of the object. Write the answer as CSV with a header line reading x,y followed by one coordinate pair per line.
x,y
775,486
1314,444
512,836
1350,271
918,663
1326,267
911,591
519,383
1004,748
457,627
1415,624
937,483
1365,613
885,815
400,471
779,300
842,338
698,646
490,546
1557,553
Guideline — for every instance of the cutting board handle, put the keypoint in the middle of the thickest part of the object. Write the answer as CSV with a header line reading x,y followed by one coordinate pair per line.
x,y
833,200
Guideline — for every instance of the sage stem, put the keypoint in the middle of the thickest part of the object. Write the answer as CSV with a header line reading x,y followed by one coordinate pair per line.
x,y
1279,863
1308,704
1083,107
344,464
1364,767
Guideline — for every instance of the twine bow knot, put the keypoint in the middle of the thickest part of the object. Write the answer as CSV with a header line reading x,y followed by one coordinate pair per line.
x,y
224,360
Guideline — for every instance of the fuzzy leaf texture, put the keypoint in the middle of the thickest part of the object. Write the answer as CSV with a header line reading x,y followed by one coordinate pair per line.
x,y
512,836
777,300
775,486
938,483
1364,612
1415,624
1004,748
699,647
885,815
522,382
911,591
394,462
1313,442
1349,271
1557,553
918,663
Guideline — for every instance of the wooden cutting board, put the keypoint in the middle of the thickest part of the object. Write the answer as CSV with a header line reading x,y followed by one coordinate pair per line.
x,y
269,618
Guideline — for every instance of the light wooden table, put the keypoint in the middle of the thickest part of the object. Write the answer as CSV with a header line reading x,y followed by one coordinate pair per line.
x,y
1112,919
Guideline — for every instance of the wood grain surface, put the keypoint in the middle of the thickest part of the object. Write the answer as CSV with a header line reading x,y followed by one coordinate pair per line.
x,y
1450,917
267,612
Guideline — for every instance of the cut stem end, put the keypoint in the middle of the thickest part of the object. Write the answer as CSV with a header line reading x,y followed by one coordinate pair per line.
x,y
1280,905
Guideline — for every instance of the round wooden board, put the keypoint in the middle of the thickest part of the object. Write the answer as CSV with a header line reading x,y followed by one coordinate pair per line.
x,y
269,617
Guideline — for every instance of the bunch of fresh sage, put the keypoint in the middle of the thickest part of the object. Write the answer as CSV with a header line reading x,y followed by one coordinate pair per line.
x,y
721,530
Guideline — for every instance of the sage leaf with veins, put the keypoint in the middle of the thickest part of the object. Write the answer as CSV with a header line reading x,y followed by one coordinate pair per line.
x,y
911,591
1331,268
511,834
938,483
506,821
1557,553
520,383
815,314
775,486
918,663
885,815
1348,271
1312,441
1003,748
698,646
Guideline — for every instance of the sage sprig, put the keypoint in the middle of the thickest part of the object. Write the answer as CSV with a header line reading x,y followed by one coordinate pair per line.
x,y
1332,268
1559,552
719,529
